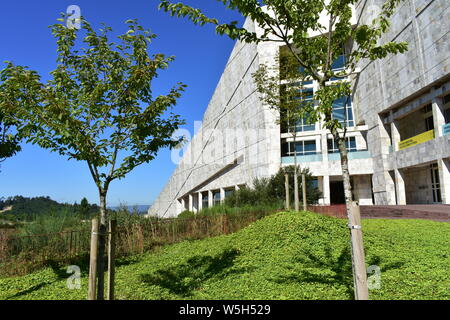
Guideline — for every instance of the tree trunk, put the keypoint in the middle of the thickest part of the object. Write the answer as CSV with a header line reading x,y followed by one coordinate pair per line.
x,y
101,259
353,214
345,172
296,199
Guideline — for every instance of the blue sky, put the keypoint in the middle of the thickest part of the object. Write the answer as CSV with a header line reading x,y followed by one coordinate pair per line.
x,y
200,59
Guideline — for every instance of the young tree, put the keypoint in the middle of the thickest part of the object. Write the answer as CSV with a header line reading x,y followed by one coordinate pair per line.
x,y
282,89
98,107
291,22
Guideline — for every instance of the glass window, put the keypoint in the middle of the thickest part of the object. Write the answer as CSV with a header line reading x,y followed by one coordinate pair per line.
x,y
350,144
343,111
339,63
306,94
228,192
216,197
429,124
447,115
315,182
205,200
309,147
301,148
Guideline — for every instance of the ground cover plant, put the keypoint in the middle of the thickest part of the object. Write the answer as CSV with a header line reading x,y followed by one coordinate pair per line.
x,y
283,256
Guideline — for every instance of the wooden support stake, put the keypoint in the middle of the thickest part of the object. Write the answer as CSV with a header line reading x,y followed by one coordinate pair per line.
x,y
286,187
225,224
111,258
359,264
305,202
93,261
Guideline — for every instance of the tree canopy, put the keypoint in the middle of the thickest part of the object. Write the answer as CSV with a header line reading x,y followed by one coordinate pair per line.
x,y
98,105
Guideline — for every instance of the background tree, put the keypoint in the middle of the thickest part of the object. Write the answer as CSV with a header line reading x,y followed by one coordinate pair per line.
x,y
291,22
84,208
98,107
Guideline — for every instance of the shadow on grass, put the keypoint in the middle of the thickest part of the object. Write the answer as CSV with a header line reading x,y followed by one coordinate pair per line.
x,y
327,268
59,268
184,278
29,290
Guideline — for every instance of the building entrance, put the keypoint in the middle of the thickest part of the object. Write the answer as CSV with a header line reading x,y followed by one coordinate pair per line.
x,y
337,195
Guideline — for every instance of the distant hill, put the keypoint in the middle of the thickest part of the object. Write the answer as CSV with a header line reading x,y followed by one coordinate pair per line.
x,y
23,208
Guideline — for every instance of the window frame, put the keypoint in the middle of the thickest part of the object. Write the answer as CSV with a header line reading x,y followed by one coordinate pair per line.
x,y
335,149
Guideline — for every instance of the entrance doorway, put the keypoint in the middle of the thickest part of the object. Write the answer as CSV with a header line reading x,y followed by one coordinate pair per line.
x,y
337,195
435,185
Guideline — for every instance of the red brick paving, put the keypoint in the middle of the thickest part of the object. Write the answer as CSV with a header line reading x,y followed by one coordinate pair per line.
x,y
434,212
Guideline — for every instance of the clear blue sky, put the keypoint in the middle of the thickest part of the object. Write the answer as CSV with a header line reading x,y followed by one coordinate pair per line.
x,y
200,58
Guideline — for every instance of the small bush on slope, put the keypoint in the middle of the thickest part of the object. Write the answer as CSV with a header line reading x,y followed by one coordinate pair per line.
x,y
284,256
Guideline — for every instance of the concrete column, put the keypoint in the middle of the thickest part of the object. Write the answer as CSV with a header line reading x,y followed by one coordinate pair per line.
x,y
438,116
191,202
320,186
200,201
183,205
222,195
326,190
395,135
390,198
444,179
400,187
210,198
362,189
236,187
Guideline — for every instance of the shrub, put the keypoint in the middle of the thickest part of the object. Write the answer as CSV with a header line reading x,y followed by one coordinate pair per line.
x,y
271,191
186,214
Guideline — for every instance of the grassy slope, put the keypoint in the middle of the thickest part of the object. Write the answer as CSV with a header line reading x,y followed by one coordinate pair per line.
x,y
284,256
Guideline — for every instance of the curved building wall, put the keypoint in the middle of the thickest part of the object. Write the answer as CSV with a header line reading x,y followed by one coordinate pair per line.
x,y
235,143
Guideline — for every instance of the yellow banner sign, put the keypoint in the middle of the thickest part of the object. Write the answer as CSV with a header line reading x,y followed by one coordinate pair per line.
x,y
423,137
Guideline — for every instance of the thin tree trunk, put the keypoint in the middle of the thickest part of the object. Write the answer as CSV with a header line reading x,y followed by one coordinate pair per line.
x,y
102,247
296,199
356,239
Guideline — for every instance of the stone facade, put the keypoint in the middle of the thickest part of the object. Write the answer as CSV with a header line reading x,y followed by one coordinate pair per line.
x,y
390,95
239,139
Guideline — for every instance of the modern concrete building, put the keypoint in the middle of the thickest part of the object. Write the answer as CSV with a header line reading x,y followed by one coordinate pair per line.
x,y
398,124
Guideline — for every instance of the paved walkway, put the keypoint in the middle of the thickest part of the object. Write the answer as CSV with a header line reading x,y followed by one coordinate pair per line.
x,y
417,211
436,212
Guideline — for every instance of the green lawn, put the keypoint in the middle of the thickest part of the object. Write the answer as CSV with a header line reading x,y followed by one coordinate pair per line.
x,y
283,256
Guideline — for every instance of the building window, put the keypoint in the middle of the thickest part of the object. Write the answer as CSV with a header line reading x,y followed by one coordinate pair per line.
x,y
216,197
435,185
447,108
205,200
315,182
429,123
427,108
301,148
339,63
343,111
228,192
350,144
447,115
305,96
304,125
